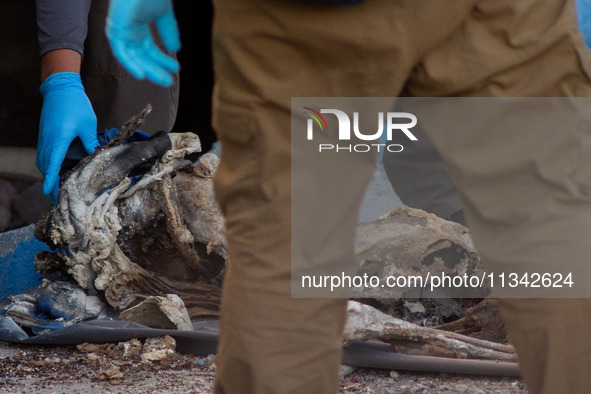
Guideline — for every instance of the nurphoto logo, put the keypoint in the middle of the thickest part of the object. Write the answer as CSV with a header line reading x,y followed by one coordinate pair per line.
x,y
388,124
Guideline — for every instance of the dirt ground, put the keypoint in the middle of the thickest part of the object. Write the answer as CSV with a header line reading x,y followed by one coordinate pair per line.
x,y
114,368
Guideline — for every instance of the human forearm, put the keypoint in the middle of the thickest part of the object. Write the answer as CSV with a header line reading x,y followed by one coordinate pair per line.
x,y
60,60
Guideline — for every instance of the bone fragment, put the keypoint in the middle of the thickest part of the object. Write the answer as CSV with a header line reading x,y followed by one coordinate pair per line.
x,y
365,323
160,312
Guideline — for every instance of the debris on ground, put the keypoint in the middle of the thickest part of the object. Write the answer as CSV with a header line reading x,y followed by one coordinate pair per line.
x,y
159,349
137,226
77,369
131,366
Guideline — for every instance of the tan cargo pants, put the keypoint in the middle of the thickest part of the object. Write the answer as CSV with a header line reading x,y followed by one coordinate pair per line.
x,y
267,51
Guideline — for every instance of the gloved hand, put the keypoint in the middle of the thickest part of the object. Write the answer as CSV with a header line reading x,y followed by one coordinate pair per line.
x,y
66,114
81,187
584,14
128,32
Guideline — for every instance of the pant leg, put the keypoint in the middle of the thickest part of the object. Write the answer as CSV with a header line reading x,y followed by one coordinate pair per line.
x,y
420,178
266,52
115,95
523,193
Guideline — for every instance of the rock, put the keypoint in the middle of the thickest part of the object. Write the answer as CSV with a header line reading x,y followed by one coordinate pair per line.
x,y
111,374
345,370
159,348
414,307
160,312
129,349
88,347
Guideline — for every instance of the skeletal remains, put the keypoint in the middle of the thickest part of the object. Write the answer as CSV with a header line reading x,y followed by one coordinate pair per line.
x,y
138,221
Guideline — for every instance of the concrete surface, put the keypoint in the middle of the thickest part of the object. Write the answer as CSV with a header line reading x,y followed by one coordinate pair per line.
x,y
19,162
379,197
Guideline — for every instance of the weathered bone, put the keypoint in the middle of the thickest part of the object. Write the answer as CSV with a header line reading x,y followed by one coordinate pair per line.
x,y
407,242
365,323
167,312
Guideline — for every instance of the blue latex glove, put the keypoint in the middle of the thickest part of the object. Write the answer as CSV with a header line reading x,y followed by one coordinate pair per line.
x,y
584,13
132,43
66,114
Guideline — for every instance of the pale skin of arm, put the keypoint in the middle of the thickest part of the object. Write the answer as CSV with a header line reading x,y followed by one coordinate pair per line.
x,y
60,60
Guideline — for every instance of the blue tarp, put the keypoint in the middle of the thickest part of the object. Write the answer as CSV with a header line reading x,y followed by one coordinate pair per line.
x,y
17,256
584,10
